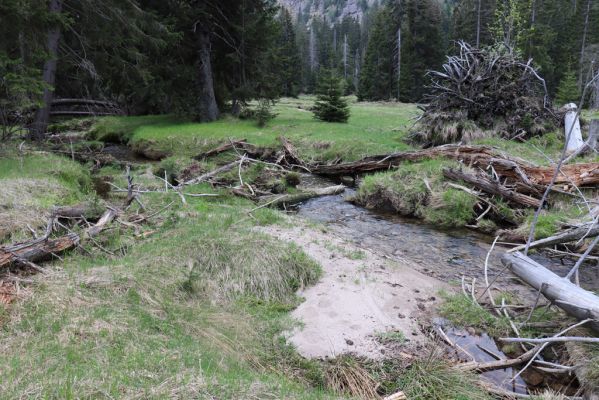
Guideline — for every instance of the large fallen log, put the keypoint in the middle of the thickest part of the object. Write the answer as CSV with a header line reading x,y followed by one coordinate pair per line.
x,y
231,144
483,183
587,230
518,170
294,198
571,298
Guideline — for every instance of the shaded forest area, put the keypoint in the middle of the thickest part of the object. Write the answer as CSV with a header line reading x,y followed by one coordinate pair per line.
x,y
203,58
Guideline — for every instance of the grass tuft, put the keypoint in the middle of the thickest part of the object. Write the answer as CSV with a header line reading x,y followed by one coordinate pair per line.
x,y
463,312
434,380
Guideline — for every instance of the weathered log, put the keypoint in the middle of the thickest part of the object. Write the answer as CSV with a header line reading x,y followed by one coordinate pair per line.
x,y
290,152
288,199
518,170
43,248
209,175
497,364
84,210
584,231
485,184
231,144
571,298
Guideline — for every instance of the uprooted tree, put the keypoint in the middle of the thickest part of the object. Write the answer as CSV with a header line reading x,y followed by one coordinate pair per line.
x,y
484,92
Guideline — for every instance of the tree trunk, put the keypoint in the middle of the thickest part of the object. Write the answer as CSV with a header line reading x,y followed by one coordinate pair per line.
x,y
42,116
207,100
584,39
573,299
478,16
486,185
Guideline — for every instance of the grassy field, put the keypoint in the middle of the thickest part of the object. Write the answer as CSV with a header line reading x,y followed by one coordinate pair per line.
x,y
193,303
372,128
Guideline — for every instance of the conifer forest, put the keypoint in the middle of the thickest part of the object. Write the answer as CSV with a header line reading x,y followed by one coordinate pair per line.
x,y
299,199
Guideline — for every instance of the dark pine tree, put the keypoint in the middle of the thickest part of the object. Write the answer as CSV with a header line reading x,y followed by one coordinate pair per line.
x,y
376,76
288,56
330,106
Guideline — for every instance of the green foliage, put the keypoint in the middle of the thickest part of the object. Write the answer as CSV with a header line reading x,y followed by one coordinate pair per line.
x,y
416,189
454,208
463,312
264,113
329,105
568,90
20,90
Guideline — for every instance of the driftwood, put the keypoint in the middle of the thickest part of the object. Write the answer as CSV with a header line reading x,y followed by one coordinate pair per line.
x,y
221,149
43,248
287,199
573,299
85,210
497,364
517,170
209,175
291,153
587,230
483,183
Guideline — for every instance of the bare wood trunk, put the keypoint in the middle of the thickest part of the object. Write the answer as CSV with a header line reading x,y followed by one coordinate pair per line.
x,y
290,152
584,40
582,174
486,185
207,100
221,149
42,116
571,298
584,231
288,199
44,248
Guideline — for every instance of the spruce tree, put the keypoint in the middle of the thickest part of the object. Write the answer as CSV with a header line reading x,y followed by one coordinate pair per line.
x,y
567,91
288,56
329,105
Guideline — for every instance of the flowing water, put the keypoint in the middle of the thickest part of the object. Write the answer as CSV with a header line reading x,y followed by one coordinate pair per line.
x,y
447,254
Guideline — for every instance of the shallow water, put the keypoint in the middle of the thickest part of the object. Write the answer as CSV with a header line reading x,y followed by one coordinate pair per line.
x,y
447,254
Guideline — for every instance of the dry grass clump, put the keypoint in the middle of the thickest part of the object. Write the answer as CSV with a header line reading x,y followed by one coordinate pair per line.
x,y
432,379
25,201
449,127
586,356
251,265
345,376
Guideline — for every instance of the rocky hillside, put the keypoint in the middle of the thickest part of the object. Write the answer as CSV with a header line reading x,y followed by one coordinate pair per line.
x,y
332,10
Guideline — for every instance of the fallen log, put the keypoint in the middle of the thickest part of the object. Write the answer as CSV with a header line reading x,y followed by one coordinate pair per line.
x,y
497,364
291,153
485,184
209,175
231,144
288,199
84,210
571,298
518,170
587,230
44,248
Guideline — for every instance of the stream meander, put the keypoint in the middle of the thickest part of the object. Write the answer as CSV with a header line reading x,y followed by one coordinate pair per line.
x,y
446,254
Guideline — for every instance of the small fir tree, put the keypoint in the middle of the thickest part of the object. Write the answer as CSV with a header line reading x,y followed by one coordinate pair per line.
x,y
329,105
567,91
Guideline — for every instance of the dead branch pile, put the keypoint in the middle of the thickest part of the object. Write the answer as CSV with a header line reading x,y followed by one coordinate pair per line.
x,y
482,92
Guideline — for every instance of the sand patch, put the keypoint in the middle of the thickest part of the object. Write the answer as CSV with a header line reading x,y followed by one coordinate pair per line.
x,y
360,298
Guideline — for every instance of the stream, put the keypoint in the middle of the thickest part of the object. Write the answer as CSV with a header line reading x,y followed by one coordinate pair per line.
x,y
447,254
